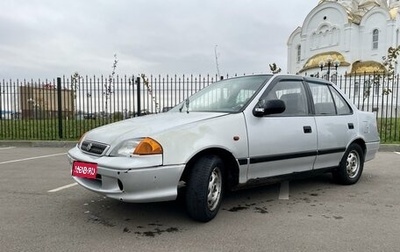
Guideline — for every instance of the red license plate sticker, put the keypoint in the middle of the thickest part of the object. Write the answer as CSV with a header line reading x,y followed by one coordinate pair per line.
x,y
84,170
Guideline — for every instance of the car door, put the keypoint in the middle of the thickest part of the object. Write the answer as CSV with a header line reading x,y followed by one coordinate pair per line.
x,y
335,122
282,143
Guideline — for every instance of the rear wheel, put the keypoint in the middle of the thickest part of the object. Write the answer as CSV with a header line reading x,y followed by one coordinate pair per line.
x,y
351,166
204,189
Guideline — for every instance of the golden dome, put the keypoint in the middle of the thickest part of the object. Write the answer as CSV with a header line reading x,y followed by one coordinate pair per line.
x,y
367,67
393,13
314,61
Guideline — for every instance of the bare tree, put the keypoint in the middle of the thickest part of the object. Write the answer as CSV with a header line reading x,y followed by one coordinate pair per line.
x,y
109,86
150,91
216,60
274,68
390,61
377,80
75,83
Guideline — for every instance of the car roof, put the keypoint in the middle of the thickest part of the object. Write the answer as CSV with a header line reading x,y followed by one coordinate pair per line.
x,y
289,77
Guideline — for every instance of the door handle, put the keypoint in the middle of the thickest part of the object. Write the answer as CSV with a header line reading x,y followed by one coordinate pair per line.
x,y
350,125
307,129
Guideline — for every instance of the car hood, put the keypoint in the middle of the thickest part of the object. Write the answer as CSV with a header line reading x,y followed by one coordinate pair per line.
x,y
145,126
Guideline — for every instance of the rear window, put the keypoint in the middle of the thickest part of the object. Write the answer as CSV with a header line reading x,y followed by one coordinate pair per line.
x,y
327,101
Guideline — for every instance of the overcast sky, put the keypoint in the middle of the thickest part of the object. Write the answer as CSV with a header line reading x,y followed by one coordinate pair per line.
x,y
50,38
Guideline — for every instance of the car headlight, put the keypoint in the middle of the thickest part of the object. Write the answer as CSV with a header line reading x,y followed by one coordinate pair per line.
x,y
140,146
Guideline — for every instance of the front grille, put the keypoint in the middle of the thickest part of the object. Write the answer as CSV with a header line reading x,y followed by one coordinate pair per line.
x,y
93,147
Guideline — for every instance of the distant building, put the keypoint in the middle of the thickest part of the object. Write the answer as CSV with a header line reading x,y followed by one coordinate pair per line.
x,y
344,37
41,102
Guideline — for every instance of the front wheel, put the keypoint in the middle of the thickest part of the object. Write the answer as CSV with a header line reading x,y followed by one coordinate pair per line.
x,y
351,166
205,188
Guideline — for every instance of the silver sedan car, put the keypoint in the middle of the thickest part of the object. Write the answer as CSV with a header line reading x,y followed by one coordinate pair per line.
x,y
233,133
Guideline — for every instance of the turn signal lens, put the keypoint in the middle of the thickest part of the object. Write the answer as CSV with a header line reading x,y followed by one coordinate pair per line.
x,y
148,146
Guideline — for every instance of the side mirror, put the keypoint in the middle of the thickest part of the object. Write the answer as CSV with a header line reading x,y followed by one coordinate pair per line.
x,y
270,107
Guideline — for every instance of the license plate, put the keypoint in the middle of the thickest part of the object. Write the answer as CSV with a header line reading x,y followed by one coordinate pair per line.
x,y
84,170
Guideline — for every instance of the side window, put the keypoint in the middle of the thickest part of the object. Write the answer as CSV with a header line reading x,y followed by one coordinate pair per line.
x,y
328,101
342,106
322,98
294,96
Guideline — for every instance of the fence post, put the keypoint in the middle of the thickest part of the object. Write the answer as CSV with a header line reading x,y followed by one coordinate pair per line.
x,y
138,97
59,108
1,112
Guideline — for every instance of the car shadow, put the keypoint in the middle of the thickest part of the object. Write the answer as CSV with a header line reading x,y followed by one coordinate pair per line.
x,y
153,219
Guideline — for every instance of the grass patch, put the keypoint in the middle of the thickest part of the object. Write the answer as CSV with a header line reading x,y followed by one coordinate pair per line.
x,y
389,130
47,129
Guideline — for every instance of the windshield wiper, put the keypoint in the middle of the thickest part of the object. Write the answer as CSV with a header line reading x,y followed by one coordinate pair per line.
x,y
187,106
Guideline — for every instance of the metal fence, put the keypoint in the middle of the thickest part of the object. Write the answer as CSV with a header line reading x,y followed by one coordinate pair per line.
x,y
64,108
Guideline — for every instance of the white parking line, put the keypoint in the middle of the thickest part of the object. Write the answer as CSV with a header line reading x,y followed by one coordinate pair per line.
x,y
62,187
284,191
31,158
7,148
397,152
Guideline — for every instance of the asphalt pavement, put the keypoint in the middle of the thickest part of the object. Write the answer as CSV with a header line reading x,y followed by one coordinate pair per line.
x,y
42,209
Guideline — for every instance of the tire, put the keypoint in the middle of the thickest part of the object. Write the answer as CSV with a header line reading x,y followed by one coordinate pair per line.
x,y
204,190
351,166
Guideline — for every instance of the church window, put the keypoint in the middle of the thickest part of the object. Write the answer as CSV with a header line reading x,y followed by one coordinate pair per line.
x,y
298,53
375,39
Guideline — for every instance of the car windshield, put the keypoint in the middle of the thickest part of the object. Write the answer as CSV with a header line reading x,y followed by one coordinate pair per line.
x,y
229,95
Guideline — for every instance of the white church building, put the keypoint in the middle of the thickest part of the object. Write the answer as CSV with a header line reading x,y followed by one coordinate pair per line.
x,y
344,37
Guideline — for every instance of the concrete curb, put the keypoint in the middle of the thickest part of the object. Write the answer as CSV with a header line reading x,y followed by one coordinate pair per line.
x,y
70,144
389,148
49,144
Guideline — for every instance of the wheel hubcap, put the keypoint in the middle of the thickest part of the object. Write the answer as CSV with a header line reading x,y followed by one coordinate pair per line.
x,y
352,164
214,189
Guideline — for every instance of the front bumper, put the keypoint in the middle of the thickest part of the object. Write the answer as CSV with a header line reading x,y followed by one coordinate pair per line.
x,y
130,182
